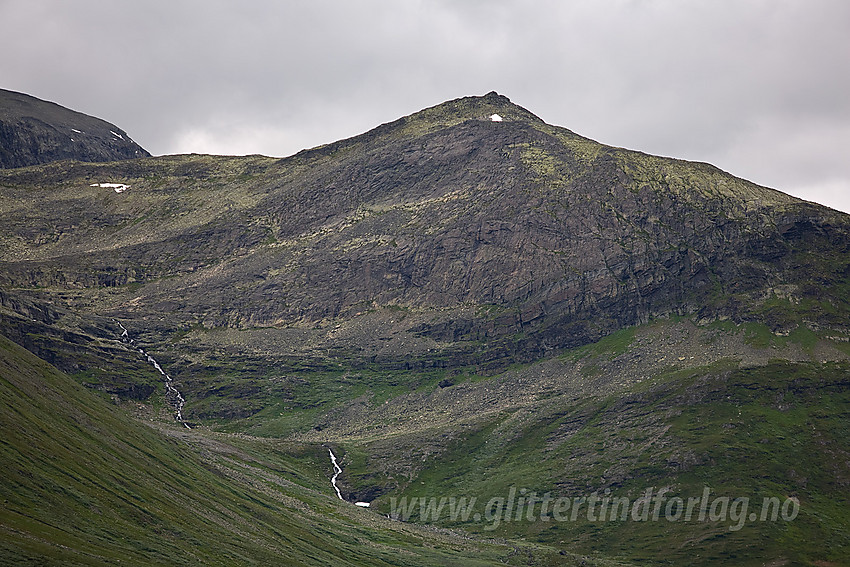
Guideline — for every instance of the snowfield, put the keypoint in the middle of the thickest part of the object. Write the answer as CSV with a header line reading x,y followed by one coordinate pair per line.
x,y
119,187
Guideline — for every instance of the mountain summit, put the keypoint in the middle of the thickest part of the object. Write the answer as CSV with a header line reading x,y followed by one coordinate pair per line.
x,y
34,131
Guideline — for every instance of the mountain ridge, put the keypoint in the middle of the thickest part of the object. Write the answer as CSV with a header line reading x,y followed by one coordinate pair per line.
x,y
34,131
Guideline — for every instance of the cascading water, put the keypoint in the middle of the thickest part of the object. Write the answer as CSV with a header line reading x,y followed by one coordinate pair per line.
x,y
337,472
170,391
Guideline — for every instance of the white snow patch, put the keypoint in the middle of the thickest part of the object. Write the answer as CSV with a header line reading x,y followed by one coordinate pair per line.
x,y
495,118
119,187
117,135
362,504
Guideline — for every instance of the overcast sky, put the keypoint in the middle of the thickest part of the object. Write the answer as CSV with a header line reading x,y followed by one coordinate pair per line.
x,y
758,88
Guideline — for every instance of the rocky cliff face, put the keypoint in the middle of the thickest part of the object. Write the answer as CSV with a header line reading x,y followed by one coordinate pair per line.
x,y
33,131
444,238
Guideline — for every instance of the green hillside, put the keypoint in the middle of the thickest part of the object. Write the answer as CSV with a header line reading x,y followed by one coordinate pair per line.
x,y
85,484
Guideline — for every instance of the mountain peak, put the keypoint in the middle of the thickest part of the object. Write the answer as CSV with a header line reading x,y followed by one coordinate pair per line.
x,y
491,107
495,98
460,110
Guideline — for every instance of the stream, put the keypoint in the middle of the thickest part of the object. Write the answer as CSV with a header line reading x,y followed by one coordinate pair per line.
x,y
179,401
170,391
337,472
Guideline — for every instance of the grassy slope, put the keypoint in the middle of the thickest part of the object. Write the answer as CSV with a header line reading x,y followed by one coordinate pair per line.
x,y
766,427
84,484
779,430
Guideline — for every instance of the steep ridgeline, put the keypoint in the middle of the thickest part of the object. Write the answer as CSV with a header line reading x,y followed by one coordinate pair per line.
x,y
34,131
445,239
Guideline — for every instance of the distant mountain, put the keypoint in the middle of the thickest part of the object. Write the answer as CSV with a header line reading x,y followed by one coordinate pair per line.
x,y
34,131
